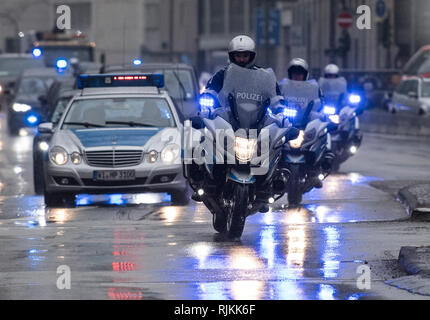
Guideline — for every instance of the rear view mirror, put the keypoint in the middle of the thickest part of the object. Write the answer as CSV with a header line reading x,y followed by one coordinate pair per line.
x,y
292,134
197,123
46,127
43,99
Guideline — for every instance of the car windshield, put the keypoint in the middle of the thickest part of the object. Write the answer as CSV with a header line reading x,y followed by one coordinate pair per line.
x,y
14,66
425,90
52,54
119,113
419,64
59,109
34,85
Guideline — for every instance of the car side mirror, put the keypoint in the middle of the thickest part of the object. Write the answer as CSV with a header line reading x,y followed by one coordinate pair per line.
x,y
43,99
413,95
46,127
292,134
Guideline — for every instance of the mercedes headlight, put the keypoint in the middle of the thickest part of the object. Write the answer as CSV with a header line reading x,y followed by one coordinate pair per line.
x,y
20,107
244,148
297,143
76,158
170,153
58,155
44,146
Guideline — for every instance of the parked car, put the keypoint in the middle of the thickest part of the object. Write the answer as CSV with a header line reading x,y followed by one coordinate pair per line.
x,y
412,96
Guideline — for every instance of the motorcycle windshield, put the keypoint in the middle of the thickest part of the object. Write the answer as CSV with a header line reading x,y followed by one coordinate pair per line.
x,y
300,95
333,89
247,92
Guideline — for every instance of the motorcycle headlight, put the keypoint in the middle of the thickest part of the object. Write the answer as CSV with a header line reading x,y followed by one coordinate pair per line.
x,y
330,110
335,118
289,112
58,155
244,148
20,107
76,158
297,143
170,153
354,98
152,156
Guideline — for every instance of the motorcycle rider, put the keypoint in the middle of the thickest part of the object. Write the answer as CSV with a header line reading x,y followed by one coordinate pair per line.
x,y
297,89
333,86
242,53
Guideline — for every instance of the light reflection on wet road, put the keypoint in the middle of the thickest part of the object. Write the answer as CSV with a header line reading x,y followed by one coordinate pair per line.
x,y
118,249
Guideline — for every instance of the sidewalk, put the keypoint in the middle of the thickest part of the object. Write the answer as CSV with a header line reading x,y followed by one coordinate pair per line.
x,y
415,260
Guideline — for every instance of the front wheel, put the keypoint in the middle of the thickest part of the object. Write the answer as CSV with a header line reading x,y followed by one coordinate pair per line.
x,y
294,189
238,210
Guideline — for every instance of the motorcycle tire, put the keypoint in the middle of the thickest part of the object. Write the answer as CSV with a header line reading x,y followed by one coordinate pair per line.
x,y
237,213
294,190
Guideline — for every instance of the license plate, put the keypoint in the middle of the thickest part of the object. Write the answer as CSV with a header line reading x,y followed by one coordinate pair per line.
x,y
114,175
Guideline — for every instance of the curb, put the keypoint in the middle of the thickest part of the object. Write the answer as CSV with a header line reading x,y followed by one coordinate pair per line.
x,y
416,198
408,200
415,260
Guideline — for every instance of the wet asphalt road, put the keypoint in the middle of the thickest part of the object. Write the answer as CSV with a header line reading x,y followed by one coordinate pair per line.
x,y
158,251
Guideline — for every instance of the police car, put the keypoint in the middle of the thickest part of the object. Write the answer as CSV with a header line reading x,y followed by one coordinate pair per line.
x,y
121,134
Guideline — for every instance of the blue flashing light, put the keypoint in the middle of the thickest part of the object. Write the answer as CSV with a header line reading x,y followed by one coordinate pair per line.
x,y
61,63
354,98
207,101
330,110
116,199
289,112
36,52
32,119
137,62
122,80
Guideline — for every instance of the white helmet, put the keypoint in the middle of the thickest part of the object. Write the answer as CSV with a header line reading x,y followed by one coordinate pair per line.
x,y
331,69
242,44
298,65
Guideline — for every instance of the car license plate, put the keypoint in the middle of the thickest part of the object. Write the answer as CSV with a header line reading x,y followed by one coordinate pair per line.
x,y
114,175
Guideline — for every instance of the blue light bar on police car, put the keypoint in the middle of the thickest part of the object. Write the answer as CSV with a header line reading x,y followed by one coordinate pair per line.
x,y
123,80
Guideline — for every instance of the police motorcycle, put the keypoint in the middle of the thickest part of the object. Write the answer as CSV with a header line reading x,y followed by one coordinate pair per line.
x,y
236,149
342,108
307,159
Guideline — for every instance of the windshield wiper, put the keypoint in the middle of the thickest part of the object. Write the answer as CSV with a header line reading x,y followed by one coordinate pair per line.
x,y
85,124
132,123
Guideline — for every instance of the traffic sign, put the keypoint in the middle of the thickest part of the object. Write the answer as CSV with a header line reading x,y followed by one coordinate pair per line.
x,y
273,28
380,8
345,20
